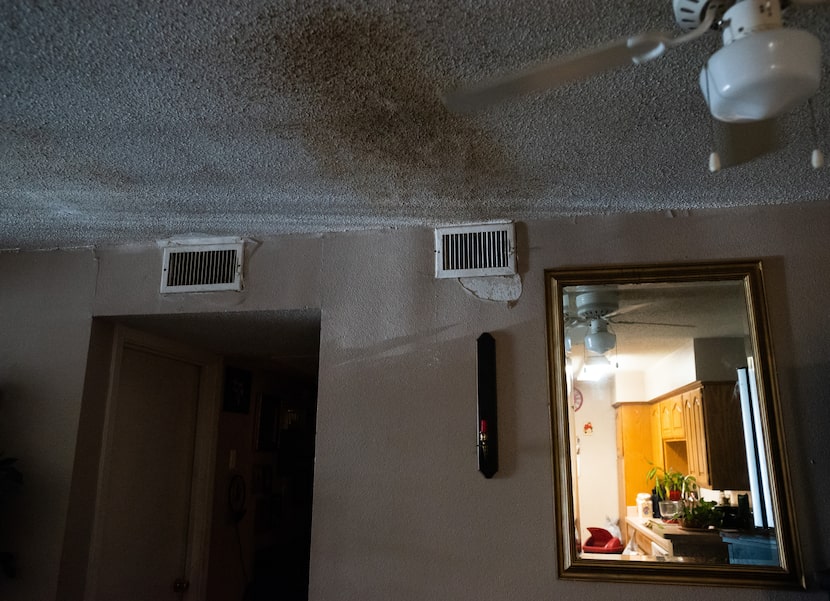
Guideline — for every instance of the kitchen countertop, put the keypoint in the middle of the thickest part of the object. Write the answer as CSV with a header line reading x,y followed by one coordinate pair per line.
x,y
677,541
651,529
667,530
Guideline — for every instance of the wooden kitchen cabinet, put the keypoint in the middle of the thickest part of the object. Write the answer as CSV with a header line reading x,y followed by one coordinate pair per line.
x,y
714,436
708,442
634,451
712,432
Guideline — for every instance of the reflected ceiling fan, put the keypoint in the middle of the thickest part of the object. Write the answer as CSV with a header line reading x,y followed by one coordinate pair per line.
x,y
763,69
591,310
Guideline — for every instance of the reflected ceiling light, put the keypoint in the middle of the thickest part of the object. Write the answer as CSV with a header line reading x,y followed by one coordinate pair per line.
x,y
595,368
599,340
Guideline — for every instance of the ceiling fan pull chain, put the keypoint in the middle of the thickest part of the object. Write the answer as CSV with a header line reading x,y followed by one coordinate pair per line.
x,y
817,157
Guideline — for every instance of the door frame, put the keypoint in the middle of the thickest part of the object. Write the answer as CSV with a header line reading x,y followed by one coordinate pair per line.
x,y
204,451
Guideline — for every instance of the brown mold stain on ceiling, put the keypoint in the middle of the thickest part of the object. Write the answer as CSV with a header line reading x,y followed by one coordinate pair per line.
x,y
370,114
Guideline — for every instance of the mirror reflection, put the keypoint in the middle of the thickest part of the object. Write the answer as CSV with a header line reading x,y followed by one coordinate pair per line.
x,y
664,394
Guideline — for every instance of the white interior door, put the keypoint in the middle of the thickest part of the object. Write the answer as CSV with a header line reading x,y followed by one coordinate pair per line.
x,y
152,513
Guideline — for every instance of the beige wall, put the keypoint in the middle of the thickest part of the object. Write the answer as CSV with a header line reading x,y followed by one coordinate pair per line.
x,y
45,319
400,511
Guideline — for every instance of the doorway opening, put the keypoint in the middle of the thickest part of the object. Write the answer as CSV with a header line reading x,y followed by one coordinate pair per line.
x,y
262,479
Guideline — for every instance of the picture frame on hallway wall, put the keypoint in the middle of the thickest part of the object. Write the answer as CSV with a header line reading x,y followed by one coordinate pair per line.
x,y
237,390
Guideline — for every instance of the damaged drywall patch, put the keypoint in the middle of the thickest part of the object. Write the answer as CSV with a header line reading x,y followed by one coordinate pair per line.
x,y
500,288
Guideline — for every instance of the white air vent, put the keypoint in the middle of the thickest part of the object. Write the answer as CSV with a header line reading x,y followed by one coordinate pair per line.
x,y
475,250
202,267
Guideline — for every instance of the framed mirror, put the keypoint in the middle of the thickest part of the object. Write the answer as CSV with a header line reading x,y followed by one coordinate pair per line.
x,y
668,452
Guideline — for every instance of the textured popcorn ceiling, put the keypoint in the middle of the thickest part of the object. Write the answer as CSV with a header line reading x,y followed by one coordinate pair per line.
x,y
130,121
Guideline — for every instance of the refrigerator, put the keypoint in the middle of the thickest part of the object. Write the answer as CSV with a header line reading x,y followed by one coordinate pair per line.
x,y
756,453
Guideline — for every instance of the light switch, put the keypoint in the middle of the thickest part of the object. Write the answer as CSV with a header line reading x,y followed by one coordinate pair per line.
x,y
232,460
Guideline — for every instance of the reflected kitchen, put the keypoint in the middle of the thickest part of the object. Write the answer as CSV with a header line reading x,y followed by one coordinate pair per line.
x,y
668,460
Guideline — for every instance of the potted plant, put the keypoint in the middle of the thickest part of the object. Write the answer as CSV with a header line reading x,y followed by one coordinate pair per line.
x,y
700,515
670,484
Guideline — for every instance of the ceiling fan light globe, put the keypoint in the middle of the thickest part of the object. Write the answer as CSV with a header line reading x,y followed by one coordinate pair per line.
x,y
762,75
595,368
600,342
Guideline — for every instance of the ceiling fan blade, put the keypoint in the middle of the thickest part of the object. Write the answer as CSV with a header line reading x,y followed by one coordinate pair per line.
x,y
552,74
626,51
653,323
740,143
624,310
556,73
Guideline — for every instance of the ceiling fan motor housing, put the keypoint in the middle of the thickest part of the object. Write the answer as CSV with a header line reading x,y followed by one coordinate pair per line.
x,y
689,14
748,17
595,304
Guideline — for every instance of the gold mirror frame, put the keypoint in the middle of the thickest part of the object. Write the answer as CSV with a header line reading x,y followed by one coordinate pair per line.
x,y
571,564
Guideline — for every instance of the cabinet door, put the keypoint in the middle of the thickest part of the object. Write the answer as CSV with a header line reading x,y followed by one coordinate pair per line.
x,y
696,437
724,437
677,427
671,418
634,450
656,435
665,418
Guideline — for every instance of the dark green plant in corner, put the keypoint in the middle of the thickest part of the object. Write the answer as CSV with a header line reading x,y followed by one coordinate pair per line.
x,y
10,480
700,514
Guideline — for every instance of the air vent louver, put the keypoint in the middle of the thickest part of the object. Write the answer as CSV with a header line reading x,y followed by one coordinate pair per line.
x,y
483,249
202,268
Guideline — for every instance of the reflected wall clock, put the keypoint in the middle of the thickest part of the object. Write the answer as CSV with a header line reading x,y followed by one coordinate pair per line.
x,y
577,399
